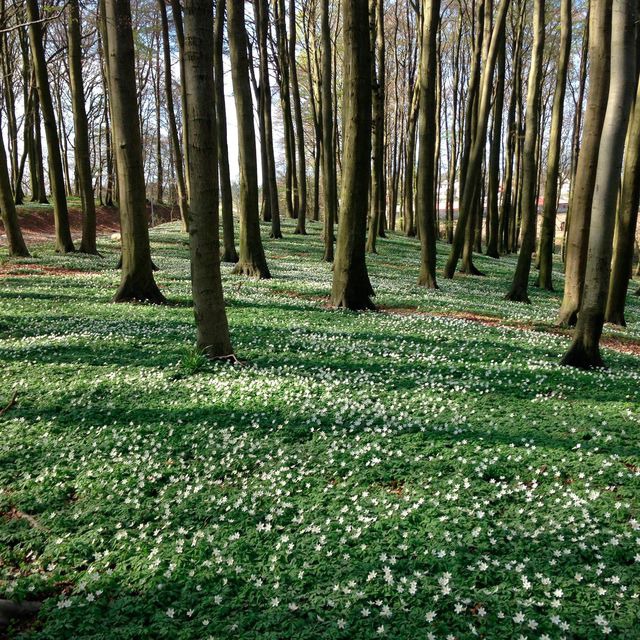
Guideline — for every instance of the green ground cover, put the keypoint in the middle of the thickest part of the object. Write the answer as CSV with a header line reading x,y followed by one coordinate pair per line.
x,y
404,474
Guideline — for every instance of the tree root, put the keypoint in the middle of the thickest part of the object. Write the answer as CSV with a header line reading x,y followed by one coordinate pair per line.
x,y
10,611
12,403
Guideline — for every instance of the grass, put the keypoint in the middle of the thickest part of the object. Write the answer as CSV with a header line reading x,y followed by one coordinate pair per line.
x,y
401,475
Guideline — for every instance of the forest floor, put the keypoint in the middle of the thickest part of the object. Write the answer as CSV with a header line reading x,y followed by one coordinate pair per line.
x,y
429,471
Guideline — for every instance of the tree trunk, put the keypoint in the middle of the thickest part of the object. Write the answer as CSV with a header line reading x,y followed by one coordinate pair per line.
x,y
626,221
15,241
137,283
208,300
584,352
580,207
493,214
409,171
176,12
252,260
81,130
328,148
64,243
474,165
229,253
297,112
425,200
520,285
378,197
548,231
351,286
171,114
577,128
291,181
269,181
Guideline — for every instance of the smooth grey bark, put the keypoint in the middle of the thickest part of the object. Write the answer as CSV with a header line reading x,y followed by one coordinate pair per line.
x,y
229,253
171,113
15,240
584,351
252,261
579,215
548,230
208,300
425,197
520,284
81,129
351,285
64,243
137,282
297,114
328,141
474,164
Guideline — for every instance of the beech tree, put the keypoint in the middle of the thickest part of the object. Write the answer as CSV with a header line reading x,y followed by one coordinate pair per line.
x,y
269,180
173,126
520,285
64,243
81,130
548,230
252,261
584,351
626,222
425,201
351,286
579,215
208,300
328,142
15,240
474,164
137,281
229,253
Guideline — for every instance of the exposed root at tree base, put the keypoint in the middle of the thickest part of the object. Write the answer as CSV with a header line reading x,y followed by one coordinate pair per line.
x,y
11,611
229,256
579,357
252,271
517,296
12,403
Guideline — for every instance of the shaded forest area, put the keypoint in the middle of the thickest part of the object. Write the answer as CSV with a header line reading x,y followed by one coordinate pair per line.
x,y
408,233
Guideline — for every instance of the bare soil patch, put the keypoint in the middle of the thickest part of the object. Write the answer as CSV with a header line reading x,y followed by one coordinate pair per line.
x,y
37,222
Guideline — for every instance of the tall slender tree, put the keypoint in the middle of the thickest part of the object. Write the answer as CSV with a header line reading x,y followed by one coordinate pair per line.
x,y
208,300
297,113
269,179
548,231
520,284
378,77
351,285
137,281
229,253
171,113
626,222
328,140
81,129
493,215
425,201
64,243
584,351
15,240
474,165
579,216
252,261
